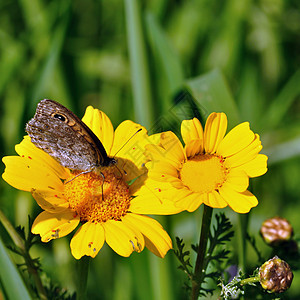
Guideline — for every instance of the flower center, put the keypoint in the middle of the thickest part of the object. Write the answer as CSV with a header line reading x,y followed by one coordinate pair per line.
x,y
203,173
97,198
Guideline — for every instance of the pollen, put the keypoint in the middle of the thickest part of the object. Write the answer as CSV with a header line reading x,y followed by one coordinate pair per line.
x,y
203,173
98,197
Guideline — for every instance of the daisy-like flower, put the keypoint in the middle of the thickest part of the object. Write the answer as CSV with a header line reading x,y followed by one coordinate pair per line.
x,y
211,168
108,206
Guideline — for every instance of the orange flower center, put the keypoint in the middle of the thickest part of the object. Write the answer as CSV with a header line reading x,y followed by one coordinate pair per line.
x,y
203,173
98,198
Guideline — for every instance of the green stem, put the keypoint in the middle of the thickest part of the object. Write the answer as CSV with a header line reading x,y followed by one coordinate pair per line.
x,y
82,276
249,280
199,272
243,222
18,241
35,274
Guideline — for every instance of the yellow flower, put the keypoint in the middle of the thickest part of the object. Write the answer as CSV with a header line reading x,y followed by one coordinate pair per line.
x,y
212,168
106,205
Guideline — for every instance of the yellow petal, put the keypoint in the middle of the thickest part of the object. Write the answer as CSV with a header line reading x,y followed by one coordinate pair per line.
x,y
130,141
128,171
214,200
122,239
192,130
157,154
155,198
236,140
173,147
239,202
245,155
27,173
237,180
52,226
139,243
185,198
215,129
50,200
160,177
196,201
256,167
88,240
161,168
27,149
170,150
156,238
153,139
138,182
176,182
193,147
101,125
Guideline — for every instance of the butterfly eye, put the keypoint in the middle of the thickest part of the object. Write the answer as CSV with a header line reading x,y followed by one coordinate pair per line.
x,y
59,117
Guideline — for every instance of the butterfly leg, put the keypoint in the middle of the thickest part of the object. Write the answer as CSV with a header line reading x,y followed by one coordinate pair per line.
x,y
85,172
120,172
102,184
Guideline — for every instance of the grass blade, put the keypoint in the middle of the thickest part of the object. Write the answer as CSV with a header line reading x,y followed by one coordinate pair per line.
x,y
213,95
10,277
167,58
283,102
139,65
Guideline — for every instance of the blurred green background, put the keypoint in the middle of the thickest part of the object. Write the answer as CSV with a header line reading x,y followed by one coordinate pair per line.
x,y
146,61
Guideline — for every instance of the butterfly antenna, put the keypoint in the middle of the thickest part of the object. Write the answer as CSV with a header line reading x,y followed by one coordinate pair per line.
x,y
127,142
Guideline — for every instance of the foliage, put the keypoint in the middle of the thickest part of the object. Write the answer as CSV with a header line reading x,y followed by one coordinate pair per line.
x,y
218,236
33,267
241,57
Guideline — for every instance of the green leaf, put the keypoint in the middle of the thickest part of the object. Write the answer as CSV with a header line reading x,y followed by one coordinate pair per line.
x,y
164,52
279,107
213,95
250,97
47,70
12,56
283,151
11,279
141,87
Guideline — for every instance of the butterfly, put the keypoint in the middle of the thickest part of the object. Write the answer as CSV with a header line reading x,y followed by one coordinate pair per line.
x,y
60,133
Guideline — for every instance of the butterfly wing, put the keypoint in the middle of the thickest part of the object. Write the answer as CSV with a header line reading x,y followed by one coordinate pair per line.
x,y
60,133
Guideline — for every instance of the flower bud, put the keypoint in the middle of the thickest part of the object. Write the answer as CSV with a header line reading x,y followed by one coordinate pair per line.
x,y
276,231
275,275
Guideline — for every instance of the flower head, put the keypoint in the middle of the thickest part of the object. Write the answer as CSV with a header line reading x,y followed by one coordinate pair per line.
x,y
275,275
107,204
211,168
276,231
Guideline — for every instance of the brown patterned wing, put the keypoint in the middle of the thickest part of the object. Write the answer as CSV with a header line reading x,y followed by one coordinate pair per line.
x,y
60,133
